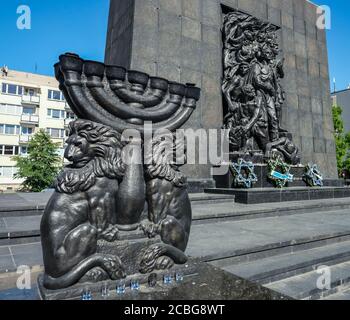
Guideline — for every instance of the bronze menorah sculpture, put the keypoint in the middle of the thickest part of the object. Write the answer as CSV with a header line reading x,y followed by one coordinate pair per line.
x,y
101,202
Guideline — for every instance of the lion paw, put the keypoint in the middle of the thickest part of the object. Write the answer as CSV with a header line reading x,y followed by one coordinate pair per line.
x,y
150,229
114,267
110,234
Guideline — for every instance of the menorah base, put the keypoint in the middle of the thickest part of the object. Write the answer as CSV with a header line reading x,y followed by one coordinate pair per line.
x,y
196,281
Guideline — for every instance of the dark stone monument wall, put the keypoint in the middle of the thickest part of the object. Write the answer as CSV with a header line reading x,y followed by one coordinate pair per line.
x,y
181,40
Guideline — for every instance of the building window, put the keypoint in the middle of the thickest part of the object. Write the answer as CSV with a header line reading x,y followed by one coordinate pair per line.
x,y
9,129
14,89
56,114
55,95
9,150
28,110
10,109
27,131
24,151
55,133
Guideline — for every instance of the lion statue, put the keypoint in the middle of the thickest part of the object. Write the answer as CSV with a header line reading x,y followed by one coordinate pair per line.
x,y
169,206
82,210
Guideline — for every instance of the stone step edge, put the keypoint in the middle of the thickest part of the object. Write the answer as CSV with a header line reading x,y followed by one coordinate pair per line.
x,y
298,268
270,212
21,212
336,286
274,249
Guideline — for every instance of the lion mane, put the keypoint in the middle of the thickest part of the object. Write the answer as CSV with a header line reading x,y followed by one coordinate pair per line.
x,y
105,146
160,161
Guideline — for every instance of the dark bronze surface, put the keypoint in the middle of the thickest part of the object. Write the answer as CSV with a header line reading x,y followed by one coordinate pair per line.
x,y
252,88
108,191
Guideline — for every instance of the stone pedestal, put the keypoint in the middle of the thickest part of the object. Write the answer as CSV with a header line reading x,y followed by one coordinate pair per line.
x,y
200,282
129,248
268,195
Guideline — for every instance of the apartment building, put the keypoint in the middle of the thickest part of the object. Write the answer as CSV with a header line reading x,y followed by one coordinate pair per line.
x,y
28,102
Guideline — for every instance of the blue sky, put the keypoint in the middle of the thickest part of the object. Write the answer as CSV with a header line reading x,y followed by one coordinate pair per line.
x,y
58,26
338,41
80,26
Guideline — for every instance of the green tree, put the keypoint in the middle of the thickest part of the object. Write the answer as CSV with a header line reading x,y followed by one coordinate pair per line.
x,y
42,164
342,140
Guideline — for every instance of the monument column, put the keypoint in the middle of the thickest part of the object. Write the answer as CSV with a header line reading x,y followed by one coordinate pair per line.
x,y
181,40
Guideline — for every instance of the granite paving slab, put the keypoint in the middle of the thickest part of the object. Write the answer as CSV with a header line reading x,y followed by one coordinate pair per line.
x,y
23,202
211,241
28,259
263,270
4,251
22,223
6,263
33,248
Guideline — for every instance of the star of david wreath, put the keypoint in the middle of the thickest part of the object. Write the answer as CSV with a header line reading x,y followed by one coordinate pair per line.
x,y
313,176
243,174
278,172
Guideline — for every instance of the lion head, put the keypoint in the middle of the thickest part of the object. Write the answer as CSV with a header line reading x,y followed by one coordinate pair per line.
x,y
93,150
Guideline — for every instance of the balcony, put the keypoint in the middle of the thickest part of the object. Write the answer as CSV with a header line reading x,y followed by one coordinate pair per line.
x,y
24,139
30,119
31,99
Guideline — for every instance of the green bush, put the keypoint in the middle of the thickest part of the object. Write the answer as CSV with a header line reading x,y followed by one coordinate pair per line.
x,y
40,168
342,141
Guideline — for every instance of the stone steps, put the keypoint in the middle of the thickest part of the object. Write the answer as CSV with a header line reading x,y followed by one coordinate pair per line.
x,y
23,204
282,252
17,208
17,230
268,236
305,286
343,293
279,267
205,198
227,210
206,209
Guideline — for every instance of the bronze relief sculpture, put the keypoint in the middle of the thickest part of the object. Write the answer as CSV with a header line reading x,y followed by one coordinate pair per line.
x,y
252,88
110,218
